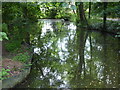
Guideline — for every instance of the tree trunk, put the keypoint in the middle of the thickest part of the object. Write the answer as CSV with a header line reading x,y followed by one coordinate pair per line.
x,y
82,36
81,12
81,50
27,34
104,15
89,9
27,39
119,64
90,55
105,60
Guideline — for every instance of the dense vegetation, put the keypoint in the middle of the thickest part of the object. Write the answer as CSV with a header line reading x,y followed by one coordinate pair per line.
x,y
20,27
18,17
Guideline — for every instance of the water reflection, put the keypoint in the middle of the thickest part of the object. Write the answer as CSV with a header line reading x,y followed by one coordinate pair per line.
x,y
68,56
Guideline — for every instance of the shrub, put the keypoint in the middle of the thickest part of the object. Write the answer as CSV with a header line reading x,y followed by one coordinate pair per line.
x,y
4,27
11,46
22,57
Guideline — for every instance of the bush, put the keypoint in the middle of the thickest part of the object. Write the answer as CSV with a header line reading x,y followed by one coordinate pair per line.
x,y
22,57
11,46
5,28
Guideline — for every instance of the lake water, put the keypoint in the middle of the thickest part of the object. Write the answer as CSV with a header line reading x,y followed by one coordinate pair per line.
x,y
67,56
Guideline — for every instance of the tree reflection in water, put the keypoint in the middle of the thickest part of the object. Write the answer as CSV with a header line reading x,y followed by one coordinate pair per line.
x,y
69,56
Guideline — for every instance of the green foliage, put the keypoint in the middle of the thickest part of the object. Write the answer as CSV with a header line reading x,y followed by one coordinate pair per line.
x,y
22,57
5,28
73,7
20,24
18,21
3,35
27,65
113,25
118,34
113,9
21,50
65,5
4,73
11,46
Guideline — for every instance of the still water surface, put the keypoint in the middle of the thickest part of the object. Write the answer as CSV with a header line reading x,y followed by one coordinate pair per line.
x,y
67,56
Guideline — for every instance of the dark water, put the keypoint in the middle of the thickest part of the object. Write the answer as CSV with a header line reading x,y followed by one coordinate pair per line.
x,y
70,57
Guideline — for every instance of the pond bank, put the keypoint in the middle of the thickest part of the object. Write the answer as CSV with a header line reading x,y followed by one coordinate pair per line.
x,y
16,66
12,81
